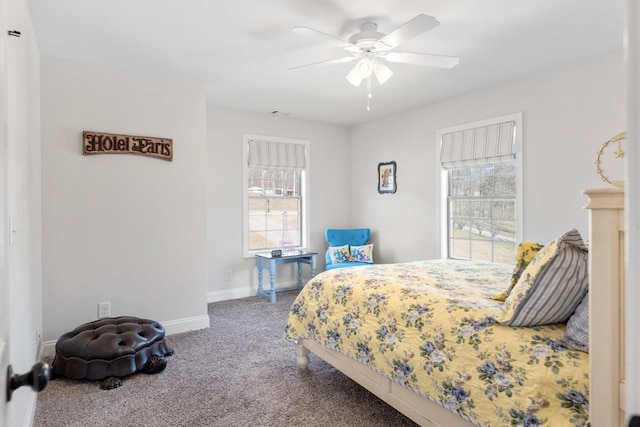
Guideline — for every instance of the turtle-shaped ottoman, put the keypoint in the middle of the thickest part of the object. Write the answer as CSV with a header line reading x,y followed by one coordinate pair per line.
x,y
111,348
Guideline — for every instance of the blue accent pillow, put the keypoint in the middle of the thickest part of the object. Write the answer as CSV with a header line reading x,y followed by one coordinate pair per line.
x,y
339,254
362,253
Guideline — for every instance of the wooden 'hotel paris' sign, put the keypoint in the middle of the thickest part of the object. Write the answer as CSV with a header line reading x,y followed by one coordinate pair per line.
x,y
109,143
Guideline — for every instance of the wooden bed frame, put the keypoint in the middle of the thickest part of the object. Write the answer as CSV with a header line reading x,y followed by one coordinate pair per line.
x,y
606,293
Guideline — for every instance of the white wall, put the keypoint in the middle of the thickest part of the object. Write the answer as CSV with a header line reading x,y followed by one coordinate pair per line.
x,y
101,212
329,174
567,114
136,232
126,229
22,124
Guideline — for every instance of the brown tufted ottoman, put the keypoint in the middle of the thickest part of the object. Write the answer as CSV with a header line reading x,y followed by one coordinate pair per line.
x,y
111,348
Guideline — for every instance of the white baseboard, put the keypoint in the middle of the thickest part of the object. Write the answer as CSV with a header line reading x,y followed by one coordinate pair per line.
x,y
227,294
249,291
170,327
185,325
49,349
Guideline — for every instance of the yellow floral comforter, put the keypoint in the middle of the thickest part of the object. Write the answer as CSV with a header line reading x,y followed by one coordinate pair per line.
x,y
429,326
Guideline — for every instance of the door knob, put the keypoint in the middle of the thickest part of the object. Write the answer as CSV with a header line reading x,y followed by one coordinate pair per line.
x,y
37,378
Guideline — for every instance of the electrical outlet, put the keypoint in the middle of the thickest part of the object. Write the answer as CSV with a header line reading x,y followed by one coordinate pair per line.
x,y
228,275
104,309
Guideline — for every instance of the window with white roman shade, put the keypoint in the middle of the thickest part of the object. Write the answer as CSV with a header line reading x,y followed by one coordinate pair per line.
x,y
273,154
275,174
484,145
481,189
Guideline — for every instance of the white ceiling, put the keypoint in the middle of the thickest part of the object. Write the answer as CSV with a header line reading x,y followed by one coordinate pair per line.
x,y
242,49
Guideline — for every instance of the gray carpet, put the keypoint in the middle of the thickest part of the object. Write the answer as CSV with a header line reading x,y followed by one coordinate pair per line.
x,y
239,372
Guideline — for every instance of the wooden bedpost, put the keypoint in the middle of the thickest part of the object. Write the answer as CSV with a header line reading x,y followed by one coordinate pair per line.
x,y
606,307
302,355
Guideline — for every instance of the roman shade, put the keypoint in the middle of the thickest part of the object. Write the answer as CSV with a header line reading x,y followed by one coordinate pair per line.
x,y
485,145
281,155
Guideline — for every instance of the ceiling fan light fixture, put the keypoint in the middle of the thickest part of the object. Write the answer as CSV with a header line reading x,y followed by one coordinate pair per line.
x,y
365,68
382,73
354,76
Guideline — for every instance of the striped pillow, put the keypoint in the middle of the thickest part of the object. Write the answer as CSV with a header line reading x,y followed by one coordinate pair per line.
x,y
577,333
551,286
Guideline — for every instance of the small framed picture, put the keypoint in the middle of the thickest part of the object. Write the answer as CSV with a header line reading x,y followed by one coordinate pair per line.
x,y
387,177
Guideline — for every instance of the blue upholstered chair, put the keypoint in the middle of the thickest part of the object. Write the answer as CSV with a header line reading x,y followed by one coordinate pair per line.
x,y
340,237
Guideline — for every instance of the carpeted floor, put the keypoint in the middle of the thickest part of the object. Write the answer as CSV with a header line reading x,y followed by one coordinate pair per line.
x,y
239,372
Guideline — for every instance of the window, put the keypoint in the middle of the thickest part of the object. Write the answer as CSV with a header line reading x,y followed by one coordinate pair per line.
x,y
275,188
482,216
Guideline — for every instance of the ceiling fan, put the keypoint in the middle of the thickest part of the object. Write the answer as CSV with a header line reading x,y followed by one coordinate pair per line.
x,y
371,48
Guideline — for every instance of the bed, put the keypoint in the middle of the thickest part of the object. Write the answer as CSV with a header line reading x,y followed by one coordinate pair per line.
x,y
434,340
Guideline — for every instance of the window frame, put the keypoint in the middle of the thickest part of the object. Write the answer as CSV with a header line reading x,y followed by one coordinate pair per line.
x,y
443,178
304,191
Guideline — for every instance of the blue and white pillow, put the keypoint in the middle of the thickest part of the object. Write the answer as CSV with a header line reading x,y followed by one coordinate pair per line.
x,y
362,253
339,254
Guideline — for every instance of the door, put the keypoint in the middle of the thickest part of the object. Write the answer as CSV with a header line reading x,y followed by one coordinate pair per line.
x,y
4,220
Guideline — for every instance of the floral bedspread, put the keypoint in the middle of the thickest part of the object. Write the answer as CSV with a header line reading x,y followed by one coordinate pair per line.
x,y
429,326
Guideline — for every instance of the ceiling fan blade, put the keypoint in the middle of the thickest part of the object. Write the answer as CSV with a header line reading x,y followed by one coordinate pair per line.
x,y
410,29
327,62
310,32
428,60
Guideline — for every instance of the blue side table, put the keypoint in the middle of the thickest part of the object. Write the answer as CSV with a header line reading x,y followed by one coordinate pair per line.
x,y
265,260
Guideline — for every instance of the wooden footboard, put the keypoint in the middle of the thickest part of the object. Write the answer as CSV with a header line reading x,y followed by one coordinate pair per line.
x,y
419,409
606,302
